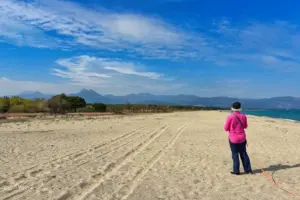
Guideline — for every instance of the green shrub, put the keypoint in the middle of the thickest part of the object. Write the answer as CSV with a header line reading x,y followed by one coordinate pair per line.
x,y
42,106
86,109
4,105
63,103
17,109
99,107
76,102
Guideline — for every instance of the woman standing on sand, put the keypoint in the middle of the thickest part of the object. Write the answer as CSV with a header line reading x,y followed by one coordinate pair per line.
x,y
236,123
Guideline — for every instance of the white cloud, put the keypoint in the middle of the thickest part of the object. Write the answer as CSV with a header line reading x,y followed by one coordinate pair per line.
x,y
269,59
283,65
273,45
98,29
31,22
80,70
94,71
21,34
102,74
4,79
232,82
128,68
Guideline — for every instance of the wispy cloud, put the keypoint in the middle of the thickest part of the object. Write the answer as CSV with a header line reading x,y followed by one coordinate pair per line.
x,y
131,71
88,70
273,45
99,29
57,23
4,79
232,82
80,70
25,35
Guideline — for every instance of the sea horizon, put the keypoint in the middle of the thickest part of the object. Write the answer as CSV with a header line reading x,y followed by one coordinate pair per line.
x,y
291,114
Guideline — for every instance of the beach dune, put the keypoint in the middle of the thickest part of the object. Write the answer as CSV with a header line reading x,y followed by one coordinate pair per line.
x,y
173,156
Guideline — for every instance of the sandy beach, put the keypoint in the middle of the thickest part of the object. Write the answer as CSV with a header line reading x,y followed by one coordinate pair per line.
x,y
170,156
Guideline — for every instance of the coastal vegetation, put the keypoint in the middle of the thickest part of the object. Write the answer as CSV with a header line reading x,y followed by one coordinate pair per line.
x,y
61,104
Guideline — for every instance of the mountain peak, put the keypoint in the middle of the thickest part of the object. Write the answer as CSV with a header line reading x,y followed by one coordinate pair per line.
x,y
91,96
87,90
34,95
84,90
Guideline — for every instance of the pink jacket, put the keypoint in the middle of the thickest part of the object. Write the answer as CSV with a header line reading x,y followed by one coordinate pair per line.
x,y
236,130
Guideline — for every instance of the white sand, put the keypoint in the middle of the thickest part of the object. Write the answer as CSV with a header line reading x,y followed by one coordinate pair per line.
x,y
162,156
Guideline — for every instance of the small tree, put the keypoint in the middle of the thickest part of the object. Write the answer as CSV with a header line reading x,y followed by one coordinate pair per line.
x,y
41,105
5,105
128,106
54,104
76,102
99,107
59,104
65,106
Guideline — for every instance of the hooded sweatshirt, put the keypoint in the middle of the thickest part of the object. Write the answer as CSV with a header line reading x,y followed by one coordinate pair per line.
x,y
235,128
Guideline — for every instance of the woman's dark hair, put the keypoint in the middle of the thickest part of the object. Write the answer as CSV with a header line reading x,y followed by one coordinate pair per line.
x,y
236,105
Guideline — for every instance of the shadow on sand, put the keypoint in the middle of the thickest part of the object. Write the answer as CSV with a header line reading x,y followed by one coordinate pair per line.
x,y
274,168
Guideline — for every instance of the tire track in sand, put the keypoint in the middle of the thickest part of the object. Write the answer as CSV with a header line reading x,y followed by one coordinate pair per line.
x,y
75,154
118,184
20,191
103,155
113,168
143,171
123,192
17,185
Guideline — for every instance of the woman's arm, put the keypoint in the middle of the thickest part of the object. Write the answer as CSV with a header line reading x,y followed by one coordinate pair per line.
x,y
246,122
227,124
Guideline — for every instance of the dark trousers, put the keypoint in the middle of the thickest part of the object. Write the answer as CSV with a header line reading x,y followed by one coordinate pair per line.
x,y
240,150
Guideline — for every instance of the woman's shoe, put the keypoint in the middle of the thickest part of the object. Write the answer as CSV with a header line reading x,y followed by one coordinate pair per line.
x,y
235,173
251,172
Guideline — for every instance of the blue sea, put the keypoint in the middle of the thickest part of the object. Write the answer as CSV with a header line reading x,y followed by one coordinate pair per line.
x,y
281,114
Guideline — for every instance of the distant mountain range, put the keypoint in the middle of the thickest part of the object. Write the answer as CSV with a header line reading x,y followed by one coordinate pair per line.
x,y
145,98
34,95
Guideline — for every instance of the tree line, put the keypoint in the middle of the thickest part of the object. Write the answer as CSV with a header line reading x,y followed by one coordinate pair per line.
x,y
65,104
57,104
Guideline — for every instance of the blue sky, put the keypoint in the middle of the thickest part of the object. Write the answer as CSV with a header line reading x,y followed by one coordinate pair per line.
x,y
206,48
